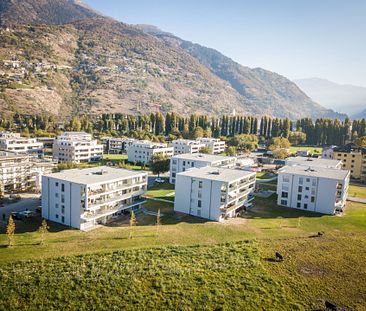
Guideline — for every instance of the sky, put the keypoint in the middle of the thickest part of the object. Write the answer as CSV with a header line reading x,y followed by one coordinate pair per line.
x,y
295,38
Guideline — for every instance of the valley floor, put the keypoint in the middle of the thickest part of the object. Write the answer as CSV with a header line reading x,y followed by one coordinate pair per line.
x,y
189,263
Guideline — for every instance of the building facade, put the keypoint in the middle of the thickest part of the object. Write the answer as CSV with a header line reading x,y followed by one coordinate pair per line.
x,y
117,145
13,142
213,193
353,158
84,198
183,162
316,189
142,151
182,146
216,145
76,147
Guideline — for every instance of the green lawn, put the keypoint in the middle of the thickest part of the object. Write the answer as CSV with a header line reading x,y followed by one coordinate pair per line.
x,y
312,149
264,175
357,191
192,263
161,191
115,157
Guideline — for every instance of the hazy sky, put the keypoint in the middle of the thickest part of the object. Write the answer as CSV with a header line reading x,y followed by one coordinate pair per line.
x,y
296,38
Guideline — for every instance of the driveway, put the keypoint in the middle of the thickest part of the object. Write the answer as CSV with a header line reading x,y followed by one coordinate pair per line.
x,y
28,201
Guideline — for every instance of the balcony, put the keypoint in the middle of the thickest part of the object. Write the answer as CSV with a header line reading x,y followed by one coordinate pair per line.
x,y
107,190
109,210
114,198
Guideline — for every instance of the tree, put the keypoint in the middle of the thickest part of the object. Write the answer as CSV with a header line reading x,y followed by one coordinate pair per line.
x,y
10,230
361,141
244,142
198,132
280,154
206,150
278,143
133,223
231,151
42,230
297,138
159,164
158,222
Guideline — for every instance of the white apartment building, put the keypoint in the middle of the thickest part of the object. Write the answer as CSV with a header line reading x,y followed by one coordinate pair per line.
x,y
183,162
142,151
15,143
328,152
215,144
117,145
76,147
182,146
314,162
316,189
84,198
213,193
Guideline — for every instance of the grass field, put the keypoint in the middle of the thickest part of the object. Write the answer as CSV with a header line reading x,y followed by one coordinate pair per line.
x,y
312,149
115,157
357,191
161,191
192,263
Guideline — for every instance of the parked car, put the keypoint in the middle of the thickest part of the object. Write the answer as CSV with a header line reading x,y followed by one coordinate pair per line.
x,y
160,180
16,215
26,214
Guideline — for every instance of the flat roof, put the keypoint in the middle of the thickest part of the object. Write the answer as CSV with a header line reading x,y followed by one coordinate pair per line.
x,y
313,161
325,172
216,173
202,157
11,155
94,175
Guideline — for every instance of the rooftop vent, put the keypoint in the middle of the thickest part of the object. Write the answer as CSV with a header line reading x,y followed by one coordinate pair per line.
x,y
309,169
215,172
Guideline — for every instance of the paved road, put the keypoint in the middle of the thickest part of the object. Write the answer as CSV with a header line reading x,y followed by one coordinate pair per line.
x,y
29,201
358,200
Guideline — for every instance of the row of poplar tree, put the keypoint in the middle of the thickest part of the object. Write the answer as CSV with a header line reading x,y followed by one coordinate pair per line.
x,y
318,132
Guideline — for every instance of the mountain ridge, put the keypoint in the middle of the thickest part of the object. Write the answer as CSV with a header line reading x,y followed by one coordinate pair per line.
x,y
85,62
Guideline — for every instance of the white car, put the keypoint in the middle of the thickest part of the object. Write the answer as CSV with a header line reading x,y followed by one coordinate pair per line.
x,y
160,180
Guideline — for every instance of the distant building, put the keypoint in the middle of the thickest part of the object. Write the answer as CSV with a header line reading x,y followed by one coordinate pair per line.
x,y
84,198
313,162
183,162
117,145
142,151
213,193
216,145
15,143
327,152
76,147
182,146
302,153
46,141
353,158
316,189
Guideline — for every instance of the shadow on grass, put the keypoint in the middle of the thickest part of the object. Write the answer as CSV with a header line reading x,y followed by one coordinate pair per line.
x,y
32,225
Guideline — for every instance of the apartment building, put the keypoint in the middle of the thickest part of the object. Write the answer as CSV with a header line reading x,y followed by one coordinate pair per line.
x,y
327,152
353,158
216,145
183,162
76,147
315,189
314,162
13,142
116,145
84,198
142,151
213,193
182,146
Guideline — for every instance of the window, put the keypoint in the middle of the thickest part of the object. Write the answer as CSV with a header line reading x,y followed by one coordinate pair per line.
x,y
199,203
312,199
307,188
56,205
285,179
198,212
301,180
173,174
63,209
299,197
56,184
305,206
298,205
56,195
283,202
199,194
62,199
184,162
62,187
63,219
313,182
56,216
284,194
200,184
307,179
299,189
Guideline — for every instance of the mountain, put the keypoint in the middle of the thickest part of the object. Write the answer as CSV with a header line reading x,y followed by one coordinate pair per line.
x,y
359,115
64,58
43,11
345,98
